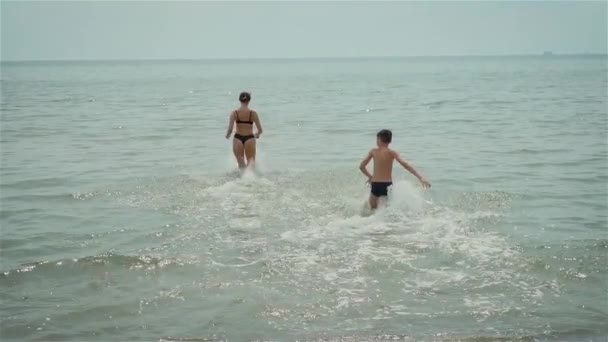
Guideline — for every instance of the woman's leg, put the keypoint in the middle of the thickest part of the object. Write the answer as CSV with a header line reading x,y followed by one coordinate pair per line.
x,y
238,150
250,152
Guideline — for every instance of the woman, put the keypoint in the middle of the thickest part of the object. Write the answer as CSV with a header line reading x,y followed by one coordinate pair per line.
x,y
243,144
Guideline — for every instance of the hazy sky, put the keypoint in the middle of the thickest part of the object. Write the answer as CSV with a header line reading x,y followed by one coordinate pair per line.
x,y
158,30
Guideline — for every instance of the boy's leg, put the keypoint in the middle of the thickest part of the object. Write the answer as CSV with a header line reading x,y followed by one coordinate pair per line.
x,y
373,201
378,191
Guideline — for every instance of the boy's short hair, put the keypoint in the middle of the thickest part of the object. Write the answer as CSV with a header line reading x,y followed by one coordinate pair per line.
x,y
385,135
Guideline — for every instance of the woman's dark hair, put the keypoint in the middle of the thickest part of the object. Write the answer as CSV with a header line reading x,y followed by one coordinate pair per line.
x,y
245,97
385,135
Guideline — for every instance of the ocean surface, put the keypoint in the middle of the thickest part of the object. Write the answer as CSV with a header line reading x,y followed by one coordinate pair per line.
x,y
123,218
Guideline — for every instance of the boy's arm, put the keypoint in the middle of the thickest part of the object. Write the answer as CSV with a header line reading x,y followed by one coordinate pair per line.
x,y
412,170
230,126
256,119
363,165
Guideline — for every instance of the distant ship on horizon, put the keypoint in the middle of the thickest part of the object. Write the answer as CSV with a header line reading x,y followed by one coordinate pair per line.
x,y
548,53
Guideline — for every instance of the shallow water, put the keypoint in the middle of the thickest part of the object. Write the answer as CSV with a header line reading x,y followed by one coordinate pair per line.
x,y
123,218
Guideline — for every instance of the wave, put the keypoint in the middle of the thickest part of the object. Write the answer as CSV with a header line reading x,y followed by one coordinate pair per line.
x,y
129,262
302,236
35,184
574,335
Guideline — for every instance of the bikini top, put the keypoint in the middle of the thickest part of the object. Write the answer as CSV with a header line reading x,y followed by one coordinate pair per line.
x,y
239,121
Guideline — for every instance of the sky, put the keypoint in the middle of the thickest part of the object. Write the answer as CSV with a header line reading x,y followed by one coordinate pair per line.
x,y
98,30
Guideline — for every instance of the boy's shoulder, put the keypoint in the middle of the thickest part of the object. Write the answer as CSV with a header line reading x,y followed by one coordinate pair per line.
x,y
384,152
383,149
374,151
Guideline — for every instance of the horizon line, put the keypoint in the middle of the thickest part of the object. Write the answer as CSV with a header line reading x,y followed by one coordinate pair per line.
x,y
546,54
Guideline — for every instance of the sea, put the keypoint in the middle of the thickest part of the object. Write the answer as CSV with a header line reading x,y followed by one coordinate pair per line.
x,y
124,218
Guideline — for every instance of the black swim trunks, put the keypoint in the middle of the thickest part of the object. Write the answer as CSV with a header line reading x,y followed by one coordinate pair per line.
x,y
380,189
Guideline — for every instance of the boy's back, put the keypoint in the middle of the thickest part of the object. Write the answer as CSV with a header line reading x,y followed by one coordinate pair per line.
x,y
382,178
383,164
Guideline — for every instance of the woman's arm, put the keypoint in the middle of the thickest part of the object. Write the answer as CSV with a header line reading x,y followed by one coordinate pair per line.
x,y
230,125
256,119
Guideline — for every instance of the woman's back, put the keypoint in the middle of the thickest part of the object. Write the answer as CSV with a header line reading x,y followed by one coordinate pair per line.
x,y
244,120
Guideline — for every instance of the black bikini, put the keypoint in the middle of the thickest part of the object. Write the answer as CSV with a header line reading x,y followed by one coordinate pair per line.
x,y
243,138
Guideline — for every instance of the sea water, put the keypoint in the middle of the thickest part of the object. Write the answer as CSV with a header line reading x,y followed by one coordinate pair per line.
x,y
123,217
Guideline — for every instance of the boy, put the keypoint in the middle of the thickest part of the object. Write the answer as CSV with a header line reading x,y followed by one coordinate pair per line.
x,y
383,168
